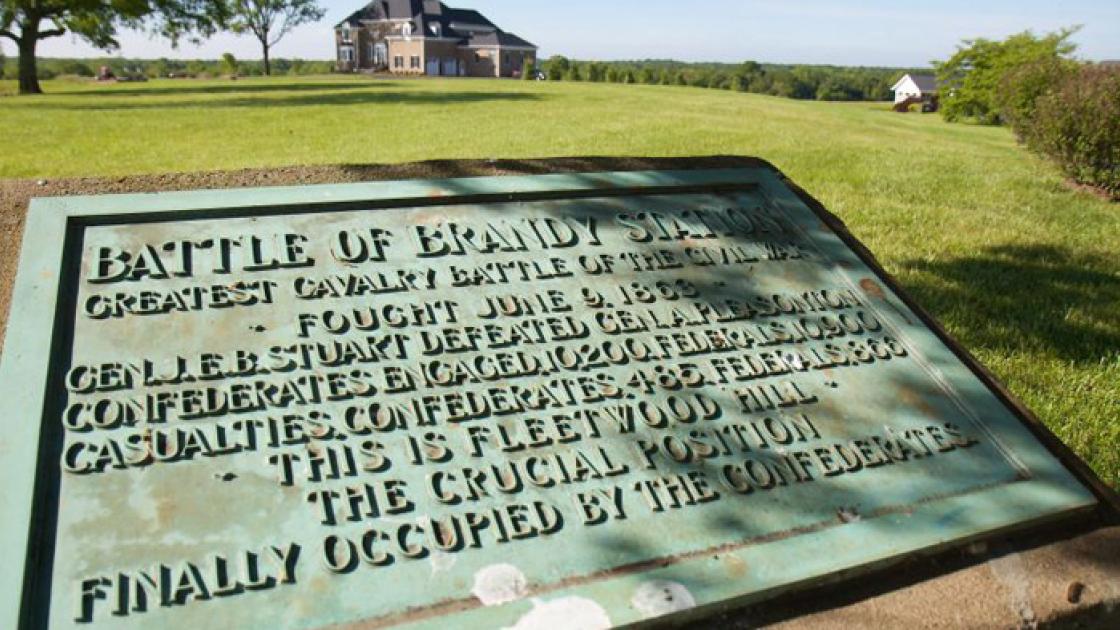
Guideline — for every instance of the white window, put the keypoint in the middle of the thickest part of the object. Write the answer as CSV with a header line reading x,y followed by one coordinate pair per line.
x,y
435,28
406,29
346,53
346,34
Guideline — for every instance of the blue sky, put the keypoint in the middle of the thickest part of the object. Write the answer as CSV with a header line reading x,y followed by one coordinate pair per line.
x,y
869,32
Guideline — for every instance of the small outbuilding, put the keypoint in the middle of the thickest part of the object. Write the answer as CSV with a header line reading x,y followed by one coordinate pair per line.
x,y
915,89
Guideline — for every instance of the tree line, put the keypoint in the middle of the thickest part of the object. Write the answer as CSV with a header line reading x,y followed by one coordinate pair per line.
x,y
808,82
135,68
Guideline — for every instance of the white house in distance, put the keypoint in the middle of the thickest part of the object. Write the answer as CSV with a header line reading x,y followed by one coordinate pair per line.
x,y
913,89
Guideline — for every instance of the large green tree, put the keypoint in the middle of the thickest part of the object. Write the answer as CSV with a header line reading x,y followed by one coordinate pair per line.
x,y
27,22
970,79
270,20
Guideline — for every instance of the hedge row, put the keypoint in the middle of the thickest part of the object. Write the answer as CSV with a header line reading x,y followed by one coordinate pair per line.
x,y
1071,114
822,83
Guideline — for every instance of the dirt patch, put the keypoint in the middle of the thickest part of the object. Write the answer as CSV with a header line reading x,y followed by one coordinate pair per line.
x,y
16,193
1096,191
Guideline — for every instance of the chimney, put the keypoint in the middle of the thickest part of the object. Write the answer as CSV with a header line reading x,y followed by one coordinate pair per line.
x,y
433,7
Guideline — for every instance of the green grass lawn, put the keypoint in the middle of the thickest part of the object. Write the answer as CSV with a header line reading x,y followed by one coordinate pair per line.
x,y
1023,271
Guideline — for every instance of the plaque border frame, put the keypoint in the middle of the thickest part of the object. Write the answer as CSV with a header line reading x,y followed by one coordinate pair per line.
x,y
50,247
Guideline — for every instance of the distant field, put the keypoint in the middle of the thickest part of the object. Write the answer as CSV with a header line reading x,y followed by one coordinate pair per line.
x,y
1025,272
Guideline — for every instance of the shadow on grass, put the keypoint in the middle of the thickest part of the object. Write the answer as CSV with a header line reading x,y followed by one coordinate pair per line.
x,y
539,166
321,98
1024,296
247,87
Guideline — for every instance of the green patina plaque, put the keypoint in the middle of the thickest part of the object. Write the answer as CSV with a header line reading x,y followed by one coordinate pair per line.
x,y
563,400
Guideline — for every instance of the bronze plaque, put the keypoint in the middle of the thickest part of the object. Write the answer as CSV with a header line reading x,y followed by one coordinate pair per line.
x,y
568,400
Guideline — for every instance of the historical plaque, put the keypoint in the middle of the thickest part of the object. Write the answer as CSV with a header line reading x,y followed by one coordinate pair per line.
x,y
569,400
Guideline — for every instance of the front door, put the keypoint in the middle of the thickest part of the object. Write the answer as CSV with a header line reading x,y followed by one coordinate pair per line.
x,y
433,67
450,68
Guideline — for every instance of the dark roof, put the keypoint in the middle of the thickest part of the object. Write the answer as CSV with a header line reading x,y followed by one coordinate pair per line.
x,y
499,38
925,82
385,10
467,18
467,25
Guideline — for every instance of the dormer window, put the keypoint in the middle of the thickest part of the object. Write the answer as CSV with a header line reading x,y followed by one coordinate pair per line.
x,y
435,28
406,29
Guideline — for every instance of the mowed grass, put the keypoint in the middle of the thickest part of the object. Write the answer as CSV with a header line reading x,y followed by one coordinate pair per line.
x,y
1022,270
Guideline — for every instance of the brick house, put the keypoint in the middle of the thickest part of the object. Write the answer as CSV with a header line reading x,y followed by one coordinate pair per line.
x,y
428,37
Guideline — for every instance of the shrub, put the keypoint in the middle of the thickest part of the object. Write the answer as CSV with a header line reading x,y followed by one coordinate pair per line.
x,y
1020,89
698,78
304,67
760,84
719,81
834,89
782,84
75,68
157,69
557,67
1077,124
197,68
229,63
281,65
971,78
